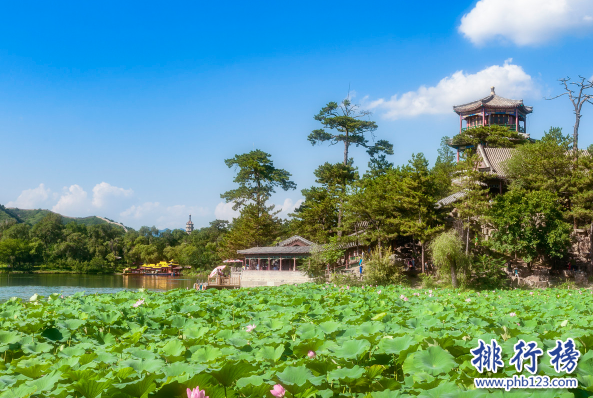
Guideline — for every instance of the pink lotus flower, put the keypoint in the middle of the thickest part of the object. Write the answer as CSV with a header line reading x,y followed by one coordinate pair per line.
x,y
311,354
467,300
405,299
430,295
138,303
512,314
249,328
278,391
379,292
531,293
401,296
430,291
196,393
62,296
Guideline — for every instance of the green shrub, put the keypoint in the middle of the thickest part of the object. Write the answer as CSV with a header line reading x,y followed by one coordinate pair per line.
x,y
486,273
429,281
450,259
381,268
348,279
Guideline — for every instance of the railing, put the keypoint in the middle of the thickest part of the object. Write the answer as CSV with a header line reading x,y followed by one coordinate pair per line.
x,y
224,280
511,127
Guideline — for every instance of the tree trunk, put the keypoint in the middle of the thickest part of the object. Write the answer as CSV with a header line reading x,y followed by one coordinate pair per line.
x,y
467,239
380,250
454,275
346,144
591,250
422,246
576,131
340,220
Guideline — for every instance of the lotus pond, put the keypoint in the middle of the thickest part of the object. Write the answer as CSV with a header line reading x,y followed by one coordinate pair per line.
x,y
313,340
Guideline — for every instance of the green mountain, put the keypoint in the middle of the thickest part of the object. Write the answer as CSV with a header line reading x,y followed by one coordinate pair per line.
x,y
32,217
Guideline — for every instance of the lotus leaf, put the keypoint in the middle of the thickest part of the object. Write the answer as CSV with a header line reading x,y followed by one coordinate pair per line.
x,y
352,349
315,340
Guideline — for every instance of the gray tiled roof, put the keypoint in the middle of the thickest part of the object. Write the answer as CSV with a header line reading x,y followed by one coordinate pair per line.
x,y
450,199
496,156
293,238
492,101
277,250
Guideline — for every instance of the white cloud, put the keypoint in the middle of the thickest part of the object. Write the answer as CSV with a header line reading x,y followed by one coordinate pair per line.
x,y
510,81
109,201
526,22
288,207
31,198
103,192
138,212
224,211
73,202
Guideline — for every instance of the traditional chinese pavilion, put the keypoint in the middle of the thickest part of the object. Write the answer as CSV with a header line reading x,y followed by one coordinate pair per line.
x,y
281,257
493,110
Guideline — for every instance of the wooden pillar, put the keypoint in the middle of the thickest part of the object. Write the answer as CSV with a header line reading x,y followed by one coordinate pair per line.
x,y
516,121
294,266
460,124
483,116
269,264
280,266
258,264
500,186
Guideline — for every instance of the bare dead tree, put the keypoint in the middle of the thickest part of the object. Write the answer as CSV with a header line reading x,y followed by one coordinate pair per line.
x,y
578,100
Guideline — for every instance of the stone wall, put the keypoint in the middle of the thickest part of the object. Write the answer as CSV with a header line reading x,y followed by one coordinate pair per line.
x,y
250,278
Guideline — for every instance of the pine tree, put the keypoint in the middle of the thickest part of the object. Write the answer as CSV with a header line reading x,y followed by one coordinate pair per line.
x,y
317,218
417,197
472,206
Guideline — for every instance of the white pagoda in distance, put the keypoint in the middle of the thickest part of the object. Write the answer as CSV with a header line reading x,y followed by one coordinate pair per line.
x,y
189,226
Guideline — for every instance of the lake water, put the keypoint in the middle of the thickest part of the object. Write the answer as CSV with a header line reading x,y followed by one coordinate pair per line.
x,y
26,285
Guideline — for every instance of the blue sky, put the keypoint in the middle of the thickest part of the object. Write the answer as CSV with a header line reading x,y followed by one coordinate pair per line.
x,y
128,110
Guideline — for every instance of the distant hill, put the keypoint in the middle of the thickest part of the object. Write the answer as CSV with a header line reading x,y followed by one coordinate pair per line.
x,y
32,217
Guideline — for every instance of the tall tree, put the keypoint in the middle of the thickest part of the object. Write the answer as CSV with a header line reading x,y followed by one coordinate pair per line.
x,y
346,125
252,228
373,209
257,178
349,128
578,95
443,168
543,165
318,217
472,205
418,195
378,165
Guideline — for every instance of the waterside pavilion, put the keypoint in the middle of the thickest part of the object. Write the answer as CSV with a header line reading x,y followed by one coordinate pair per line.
x,y
282,257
